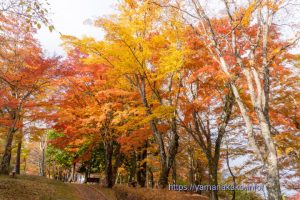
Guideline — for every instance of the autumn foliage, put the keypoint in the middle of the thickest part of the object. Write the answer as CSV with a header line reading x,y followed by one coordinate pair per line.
x,y
171,94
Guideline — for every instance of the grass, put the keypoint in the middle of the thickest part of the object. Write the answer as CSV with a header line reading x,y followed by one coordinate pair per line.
x,y
108,193
129,193
40,188
34,188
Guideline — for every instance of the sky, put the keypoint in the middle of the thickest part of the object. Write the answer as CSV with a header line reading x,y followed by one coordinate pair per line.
x,y
68,18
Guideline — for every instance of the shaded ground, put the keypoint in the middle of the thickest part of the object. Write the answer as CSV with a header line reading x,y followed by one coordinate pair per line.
x,y
88,192
123,192
40,188
35,188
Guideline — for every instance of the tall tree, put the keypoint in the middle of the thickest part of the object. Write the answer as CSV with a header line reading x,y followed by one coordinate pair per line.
x,y
246,45
207,104
137,47
20,58
90,111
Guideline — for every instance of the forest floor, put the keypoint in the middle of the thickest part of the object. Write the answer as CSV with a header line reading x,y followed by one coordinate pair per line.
x,y
88,192
123,192
35,188
40,188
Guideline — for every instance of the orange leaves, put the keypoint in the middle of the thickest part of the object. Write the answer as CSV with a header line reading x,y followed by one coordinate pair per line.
x,y
273,5
204,73
25,75
135,139
91,109
132,3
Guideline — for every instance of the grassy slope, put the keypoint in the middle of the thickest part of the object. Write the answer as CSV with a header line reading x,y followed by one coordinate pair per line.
x,y
122,192
129,193
109,194
34,188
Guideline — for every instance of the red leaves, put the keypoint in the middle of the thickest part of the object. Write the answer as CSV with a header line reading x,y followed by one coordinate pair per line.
x,y
135,139
25,74
90,109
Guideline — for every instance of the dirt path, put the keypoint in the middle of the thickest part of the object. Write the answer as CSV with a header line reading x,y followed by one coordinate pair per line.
x,y
87,192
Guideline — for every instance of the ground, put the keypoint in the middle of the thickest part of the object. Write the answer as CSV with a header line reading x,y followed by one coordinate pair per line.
x,y
40,188
88,192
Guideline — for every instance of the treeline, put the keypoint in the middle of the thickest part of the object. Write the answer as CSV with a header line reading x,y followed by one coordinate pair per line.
x,y
25,75
171,87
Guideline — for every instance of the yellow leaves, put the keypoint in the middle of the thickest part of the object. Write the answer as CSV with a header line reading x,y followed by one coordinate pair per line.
x,y
122,170
254,5
287,143
69,42
162,112
275,51
273,5
248,13
170,61
157,41
289,150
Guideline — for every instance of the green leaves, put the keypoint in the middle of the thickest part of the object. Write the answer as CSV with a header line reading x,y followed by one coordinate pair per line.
x,y
33,12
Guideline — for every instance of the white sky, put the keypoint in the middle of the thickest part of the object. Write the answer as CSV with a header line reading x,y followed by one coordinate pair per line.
x,y
68,17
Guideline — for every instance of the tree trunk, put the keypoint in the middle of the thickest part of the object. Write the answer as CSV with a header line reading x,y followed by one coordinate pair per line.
x,y
166,160
118,160
72,176
174,172
164,169
273,182
191,167
151,178
25,164
43,146
18,158
213,178
5,162
60,175
132,171
273,185
86,174
142,166
231,173
43,171
108,165
49,172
